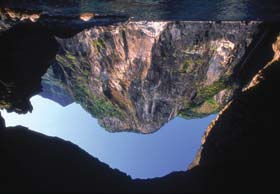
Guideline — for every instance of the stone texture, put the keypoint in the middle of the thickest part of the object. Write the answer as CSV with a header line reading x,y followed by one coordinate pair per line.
x,y
147,73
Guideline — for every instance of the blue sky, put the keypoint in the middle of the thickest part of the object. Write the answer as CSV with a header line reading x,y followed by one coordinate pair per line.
x,y
172,148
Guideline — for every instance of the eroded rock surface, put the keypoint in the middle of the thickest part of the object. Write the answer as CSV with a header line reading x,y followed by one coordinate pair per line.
x,y
137,76
61,25
239,149
238,154
236,134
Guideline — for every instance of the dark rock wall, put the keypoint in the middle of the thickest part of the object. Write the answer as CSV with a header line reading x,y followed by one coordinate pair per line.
x,y
26,53
35,162
2,123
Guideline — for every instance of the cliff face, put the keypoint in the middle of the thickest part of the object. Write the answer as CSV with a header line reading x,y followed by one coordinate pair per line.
x,y
137,76
239,147
248,122
53,89
23,62
238,154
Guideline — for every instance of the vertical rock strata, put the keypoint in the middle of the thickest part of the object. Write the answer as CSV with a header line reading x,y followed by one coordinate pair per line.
x,y
236,134
137,76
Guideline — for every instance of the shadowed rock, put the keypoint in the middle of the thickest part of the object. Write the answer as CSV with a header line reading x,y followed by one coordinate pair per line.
x,y
26,53
59,25
35,162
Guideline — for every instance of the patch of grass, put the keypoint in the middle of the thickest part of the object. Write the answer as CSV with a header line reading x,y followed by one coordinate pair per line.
x,y
213,48
71,57
204,103
99,44
190,64
212,102
64,62
79,72
209,91
191,114
199,111
210,106
60,59
98,107
76,64
185,67
199,61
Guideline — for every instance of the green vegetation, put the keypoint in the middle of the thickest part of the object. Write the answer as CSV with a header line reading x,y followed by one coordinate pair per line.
x,y
199,61
71,57
99,44
191,112
204,103
78,72
185,67
199,111
208,92
212,102
61,60
190,64
73,63
97,106
213,48
188,111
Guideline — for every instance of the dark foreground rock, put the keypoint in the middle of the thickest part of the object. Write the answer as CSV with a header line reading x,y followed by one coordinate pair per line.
x,y
26,53
239,153
35,162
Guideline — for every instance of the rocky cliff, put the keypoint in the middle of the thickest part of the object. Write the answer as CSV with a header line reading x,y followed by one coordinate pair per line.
x,y
218,145
53,89
137,76
23,62
238,153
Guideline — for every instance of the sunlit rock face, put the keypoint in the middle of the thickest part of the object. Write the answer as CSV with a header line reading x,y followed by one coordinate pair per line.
x,y
139,75
60,25
14,16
